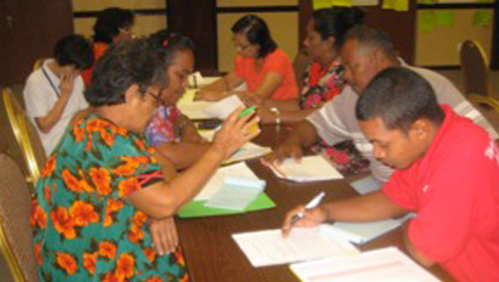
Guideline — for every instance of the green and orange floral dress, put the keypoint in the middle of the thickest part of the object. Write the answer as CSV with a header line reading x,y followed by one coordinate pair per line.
x,y
84,227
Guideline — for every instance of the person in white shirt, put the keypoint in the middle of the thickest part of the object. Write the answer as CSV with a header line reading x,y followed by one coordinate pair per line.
x,y
54,93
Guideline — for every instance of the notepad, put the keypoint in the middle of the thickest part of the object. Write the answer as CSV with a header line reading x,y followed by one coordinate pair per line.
x,y
362,232
236,193
311,168
383,265
216,182
366,185
268,247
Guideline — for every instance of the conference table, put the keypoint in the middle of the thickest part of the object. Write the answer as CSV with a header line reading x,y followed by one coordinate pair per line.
x,y
213,256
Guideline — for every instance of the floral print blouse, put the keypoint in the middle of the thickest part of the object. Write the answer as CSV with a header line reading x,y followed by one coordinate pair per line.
x,y
84,227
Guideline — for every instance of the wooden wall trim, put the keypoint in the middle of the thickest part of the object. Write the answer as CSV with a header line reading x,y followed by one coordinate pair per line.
x,y
455,6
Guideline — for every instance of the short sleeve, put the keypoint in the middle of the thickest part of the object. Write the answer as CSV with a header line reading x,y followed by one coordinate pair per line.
x,y
333,119
133,166
445,223
161,128
82,103
278,62
35,98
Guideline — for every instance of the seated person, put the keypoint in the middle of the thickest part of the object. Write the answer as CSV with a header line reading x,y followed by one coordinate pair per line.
x,y
266,70
113,25
322,82
54,93
105,202
171,132
366,52
447,172
323,78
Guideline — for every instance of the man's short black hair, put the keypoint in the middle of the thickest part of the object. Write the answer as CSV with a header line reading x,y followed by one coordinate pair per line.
x,y
257,32
399,97
123,65
109,22
74,50
372,37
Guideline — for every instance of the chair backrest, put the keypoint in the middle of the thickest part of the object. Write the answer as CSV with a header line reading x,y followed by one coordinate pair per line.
x,y
474,63
489,107
16,239
26,135
38,63
300,65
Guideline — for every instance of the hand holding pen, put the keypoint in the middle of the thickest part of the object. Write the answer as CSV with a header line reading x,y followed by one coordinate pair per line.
x,y
305,216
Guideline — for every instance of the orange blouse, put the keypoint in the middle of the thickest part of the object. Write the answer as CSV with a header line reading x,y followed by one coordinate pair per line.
x,y
276,61
99,49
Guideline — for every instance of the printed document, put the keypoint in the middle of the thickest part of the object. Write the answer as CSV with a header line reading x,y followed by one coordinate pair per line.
x,y
268,247
383,265
311,168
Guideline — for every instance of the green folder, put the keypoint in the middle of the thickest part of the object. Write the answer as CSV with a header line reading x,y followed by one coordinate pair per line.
x,y
197,208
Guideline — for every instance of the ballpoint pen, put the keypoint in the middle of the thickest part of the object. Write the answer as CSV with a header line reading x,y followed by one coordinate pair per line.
x,y
312,204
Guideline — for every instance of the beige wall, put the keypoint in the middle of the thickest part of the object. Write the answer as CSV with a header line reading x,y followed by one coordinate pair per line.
x,y
283,28
144,24
440,47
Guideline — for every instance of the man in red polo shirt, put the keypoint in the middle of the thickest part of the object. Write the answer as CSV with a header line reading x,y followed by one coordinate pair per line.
x,y
447,172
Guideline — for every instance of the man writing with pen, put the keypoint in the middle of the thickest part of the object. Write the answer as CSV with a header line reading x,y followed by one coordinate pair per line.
x,y
447,172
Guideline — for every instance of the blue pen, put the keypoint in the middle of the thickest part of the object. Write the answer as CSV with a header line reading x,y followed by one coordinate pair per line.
x,y
312,204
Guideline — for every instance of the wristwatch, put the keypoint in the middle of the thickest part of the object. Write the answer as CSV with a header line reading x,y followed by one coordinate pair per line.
x,y
277,113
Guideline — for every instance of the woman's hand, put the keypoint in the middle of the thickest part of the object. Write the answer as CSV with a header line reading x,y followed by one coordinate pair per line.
x,y
250,99
235,132
309,218
208,95
164,235
266,116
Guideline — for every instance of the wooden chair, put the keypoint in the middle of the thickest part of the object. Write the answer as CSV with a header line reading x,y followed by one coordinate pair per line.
x,y
38,63
16,239
474,63
489,107
25,134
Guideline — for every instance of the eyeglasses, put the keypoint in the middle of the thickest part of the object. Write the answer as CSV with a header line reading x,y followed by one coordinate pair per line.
x,y
157,99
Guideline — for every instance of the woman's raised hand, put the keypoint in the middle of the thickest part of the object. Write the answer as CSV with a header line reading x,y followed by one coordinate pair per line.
x,y
236,131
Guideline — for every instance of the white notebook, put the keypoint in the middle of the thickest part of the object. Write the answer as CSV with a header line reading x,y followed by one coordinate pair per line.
x,y
383,265
311,168
362,232
268,247
236,193
216,182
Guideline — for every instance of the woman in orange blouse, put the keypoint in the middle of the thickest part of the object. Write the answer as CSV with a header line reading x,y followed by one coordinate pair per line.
x,y
113,25
266,70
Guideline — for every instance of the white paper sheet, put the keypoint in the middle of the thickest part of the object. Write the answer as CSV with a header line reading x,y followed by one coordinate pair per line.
x,y
237,193
311,168
216,182
223,108
363,232
384,265
366,185
268,247
248,151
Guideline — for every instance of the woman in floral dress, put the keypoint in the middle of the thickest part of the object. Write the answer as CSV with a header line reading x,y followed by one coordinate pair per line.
x,y
104,203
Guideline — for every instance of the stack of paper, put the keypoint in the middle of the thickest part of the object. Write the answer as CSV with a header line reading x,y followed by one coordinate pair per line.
x,y
384,265
237,193
197,208
362,232
311,168
268,247
193,109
